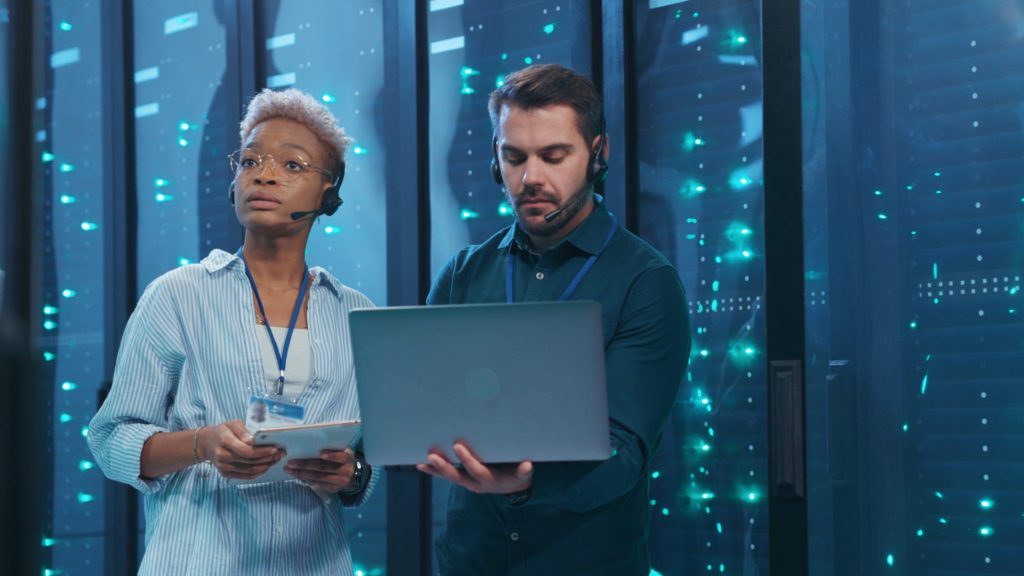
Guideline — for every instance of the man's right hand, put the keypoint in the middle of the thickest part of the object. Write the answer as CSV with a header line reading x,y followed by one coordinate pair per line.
x,y
229,447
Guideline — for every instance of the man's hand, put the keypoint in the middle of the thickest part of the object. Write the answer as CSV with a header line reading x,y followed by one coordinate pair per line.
x,y
332,471
478,477
229,447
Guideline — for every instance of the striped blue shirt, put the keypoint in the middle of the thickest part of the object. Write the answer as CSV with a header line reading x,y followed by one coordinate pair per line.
x,y
189,358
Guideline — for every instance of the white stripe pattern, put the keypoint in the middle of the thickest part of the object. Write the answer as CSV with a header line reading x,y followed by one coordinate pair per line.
x,y
189,358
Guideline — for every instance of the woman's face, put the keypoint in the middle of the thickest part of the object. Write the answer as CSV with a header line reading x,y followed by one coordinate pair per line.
x,y
273,178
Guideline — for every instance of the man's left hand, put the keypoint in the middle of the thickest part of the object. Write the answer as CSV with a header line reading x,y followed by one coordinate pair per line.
x,y
332,471
478,477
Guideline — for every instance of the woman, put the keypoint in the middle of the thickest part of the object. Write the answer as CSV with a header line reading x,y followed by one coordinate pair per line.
x,y
210,342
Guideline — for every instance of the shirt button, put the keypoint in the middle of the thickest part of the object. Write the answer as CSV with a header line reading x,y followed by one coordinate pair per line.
x,y
514,536
540,276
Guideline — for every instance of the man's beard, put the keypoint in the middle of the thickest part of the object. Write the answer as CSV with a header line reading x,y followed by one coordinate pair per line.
x,y
569,210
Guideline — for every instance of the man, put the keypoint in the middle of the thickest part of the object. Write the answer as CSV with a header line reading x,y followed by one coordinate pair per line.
x,y
565,517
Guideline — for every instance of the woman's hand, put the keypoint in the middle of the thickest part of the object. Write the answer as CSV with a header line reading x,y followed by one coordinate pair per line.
x,y
332,471
229,447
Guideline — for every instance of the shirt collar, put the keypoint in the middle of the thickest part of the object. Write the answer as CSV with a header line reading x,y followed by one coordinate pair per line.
x,y
219,260
589,236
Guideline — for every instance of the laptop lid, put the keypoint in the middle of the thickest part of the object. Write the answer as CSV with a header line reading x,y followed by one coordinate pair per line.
x,y
515,381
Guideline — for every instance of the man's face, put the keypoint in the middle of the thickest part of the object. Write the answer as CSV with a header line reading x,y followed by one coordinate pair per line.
x,y
543,159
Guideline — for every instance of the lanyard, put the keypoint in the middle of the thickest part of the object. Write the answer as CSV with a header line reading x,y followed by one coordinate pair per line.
x,y
511,265
282,355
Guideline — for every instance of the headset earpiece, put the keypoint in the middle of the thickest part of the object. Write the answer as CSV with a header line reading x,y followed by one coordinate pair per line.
x,y
597,169
332,196
495,165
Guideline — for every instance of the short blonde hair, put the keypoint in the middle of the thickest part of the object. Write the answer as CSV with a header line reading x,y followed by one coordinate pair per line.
x,y
299,106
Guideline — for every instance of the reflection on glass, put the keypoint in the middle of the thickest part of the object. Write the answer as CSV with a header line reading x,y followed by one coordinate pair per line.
x,y
335,51
700,203
914,138
73,288
184,129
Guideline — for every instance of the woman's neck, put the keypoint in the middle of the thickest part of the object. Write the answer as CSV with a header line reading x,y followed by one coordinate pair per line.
x,y
276,262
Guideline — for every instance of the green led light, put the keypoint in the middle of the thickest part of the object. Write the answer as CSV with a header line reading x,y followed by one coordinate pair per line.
x,y
504,209
467,72
906,427
707,496
528,60
937,174
549,28
48,542
84,465
68,386
85,431
47,157
183,126
67,199
718,527
499,81
184,261
331,230
89,226
705,447
49,324
664,511
878,192
890,560
467,214
986,503
939,496
655,474
160,182
52,572
84,498
751,497
65,167
327,98
359,150
65,417
65,25
704,353
49,356
161,197
692,189
920,532
68,293
985,531
943,521
654,573
924,388
882,216
504,55
182,142
913,324
935,270
49,310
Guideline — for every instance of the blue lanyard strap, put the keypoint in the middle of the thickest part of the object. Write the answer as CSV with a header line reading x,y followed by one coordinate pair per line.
x,y
510,267
282,356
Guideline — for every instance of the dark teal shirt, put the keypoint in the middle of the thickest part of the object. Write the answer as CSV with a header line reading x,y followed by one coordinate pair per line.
x,y
582,517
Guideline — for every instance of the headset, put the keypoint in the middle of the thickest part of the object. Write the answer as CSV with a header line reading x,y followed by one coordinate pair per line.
x,y
330,204
597,166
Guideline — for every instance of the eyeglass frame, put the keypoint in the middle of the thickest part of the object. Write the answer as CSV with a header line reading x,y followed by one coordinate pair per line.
x,y
236,166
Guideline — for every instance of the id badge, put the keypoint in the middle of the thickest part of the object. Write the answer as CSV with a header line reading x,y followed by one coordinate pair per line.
x,y
270,413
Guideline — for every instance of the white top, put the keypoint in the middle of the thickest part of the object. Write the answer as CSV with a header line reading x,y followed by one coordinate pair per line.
x,y
297,372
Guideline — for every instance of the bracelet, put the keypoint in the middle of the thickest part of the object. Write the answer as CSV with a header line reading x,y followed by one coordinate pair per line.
x,y
195,446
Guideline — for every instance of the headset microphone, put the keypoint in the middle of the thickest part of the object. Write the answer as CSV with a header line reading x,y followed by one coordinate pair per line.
x,y
303,214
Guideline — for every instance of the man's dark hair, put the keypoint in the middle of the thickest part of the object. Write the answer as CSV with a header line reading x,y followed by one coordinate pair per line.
x,y
543,85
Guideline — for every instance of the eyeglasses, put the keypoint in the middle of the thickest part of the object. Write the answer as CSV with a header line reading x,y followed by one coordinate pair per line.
x,y
293,165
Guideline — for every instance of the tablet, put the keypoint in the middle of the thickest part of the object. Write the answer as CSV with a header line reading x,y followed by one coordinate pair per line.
x,y
305,441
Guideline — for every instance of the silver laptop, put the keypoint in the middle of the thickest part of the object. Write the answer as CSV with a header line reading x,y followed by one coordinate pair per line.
x,y
515,381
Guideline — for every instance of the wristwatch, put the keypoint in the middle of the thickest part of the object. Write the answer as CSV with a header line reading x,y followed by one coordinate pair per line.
x,y
360,477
